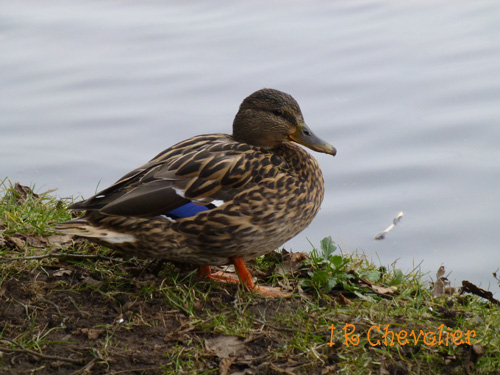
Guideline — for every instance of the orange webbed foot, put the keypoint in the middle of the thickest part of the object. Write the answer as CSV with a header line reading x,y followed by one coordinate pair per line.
x,y
219,276
243,277
269,291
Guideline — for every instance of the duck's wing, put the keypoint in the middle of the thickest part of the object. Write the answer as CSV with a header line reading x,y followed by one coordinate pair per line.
x,y
201,170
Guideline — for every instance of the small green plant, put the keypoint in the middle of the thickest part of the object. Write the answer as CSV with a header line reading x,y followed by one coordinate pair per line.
x,y
327,269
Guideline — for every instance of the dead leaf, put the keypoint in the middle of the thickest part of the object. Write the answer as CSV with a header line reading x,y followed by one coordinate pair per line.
x,y
61,272
365,281
383,290
342,300
329,370
15,242
36,241
477,349
440,272
224,365
293,262
438,289
92,333
23,192
58,240
226,346
180,334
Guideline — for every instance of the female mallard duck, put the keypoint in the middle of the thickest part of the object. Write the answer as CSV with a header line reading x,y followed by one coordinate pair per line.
x,y
216,199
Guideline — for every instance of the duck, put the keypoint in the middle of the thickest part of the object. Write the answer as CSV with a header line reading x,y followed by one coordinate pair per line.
x,y
216,199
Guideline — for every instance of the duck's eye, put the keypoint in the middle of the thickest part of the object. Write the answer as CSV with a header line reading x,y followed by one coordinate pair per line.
x,y
277,112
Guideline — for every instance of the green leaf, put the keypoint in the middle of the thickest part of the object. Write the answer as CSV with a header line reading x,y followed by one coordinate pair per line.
x,y
337,261
331,283
320,277
327,247
373,275
398,277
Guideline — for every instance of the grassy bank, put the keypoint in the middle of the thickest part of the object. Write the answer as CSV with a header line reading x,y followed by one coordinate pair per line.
x,y
71,307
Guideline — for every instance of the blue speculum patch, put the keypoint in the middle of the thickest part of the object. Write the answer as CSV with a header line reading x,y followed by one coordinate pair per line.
x,y
187,210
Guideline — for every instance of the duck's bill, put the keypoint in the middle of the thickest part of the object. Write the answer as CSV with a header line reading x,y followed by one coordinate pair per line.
x,y
304,136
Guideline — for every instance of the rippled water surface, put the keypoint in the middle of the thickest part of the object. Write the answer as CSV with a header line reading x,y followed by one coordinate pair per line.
x,y
408,92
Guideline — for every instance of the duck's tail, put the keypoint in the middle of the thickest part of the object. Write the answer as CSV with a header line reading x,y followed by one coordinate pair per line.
x,y
82,228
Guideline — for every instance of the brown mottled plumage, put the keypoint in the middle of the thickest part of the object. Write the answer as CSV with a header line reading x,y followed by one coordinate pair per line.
x,y
258,188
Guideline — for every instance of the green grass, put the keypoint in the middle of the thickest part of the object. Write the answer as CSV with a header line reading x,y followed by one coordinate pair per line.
x,y
101,312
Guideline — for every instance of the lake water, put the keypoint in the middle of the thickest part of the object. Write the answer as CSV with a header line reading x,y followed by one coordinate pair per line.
x,y
408,93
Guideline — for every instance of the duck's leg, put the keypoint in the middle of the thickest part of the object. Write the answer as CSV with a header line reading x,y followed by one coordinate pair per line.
x,y
244,277
247,280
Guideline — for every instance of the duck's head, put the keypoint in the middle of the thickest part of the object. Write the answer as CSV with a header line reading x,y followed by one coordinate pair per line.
x,y
269,117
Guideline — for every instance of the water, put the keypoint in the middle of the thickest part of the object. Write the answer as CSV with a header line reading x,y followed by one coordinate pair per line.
x,y
409,94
